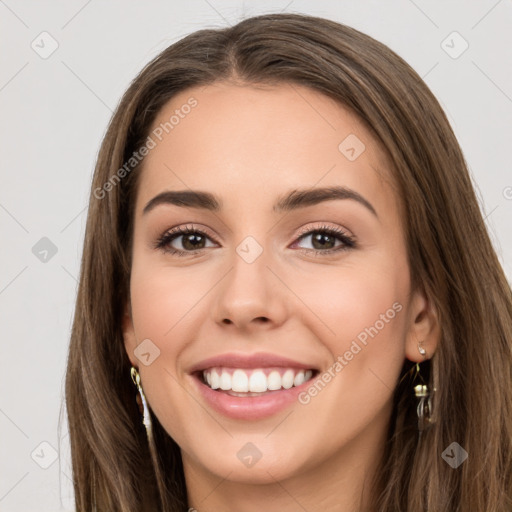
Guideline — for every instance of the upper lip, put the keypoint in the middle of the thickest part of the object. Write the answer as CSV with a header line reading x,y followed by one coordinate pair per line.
x,y
257,360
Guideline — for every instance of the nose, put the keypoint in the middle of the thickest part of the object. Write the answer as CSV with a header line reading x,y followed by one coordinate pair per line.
x,y
251,296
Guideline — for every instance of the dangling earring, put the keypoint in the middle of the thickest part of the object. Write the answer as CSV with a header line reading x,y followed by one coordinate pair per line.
x,y
146,417
424,405
424,408
149,433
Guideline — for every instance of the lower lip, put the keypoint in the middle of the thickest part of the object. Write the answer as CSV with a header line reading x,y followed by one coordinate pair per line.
x,y
250,408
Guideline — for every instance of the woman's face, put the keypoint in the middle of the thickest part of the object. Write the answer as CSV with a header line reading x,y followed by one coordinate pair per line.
x,y
295,266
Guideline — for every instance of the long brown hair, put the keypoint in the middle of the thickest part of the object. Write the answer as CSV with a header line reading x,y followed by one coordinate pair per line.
x,y
450,257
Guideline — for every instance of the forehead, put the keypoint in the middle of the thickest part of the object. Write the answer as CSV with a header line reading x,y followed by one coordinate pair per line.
x,y
249,143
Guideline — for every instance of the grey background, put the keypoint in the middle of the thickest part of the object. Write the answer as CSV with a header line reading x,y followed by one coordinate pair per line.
x,y
54,112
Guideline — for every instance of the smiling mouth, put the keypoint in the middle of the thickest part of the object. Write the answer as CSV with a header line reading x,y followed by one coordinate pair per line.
x,y
243,382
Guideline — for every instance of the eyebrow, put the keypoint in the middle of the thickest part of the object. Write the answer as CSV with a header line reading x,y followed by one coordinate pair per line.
x,y
293,200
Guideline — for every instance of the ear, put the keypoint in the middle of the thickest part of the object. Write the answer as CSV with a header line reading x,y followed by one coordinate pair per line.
x,y
423,329
130,341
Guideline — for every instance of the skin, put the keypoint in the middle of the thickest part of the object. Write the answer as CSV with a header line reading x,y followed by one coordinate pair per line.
x,y
250,145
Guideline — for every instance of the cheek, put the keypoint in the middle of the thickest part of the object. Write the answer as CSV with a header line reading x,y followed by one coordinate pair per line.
x,y
161,299
359,314
355,302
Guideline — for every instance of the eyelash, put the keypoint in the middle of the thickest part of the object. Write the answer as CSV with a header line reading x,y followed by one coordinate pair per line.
x,y
163,241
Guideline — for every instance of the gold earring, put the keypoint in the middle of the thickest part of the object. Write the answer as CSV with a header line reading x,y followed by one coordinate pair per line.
x,y
424,408
146,416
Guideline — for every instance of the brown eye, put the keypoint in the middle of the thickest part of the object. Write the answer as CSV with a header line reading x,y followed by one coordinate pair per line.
x,y
191,241
323,240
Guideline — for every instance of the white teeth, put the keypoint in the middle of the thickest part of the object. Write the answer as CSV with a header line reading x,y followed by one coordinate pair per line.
x,y
258,382
225,381
254,381
287,379
240,381
274,381
215,380
299,379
